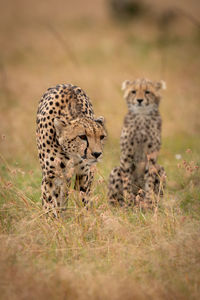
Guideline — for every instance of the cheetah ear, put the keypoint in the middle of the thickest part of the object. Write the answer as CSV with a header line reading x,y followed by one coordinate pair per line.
x,y
100,120
59,125
160,85
125,84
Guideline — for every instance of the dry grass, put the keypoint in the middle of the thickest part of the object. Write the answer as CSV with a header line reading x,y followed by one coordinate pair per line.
x,y
105,253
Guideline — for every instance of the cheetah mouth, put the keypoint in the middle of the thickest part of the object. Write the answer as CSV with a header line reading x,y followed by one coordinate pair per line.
x,y
92,161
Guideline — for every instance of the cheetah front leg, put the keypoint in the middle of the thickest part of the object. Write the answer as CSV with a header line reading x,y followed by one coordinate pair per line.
x,y
154,184
49,196
83,184
64,194
54,195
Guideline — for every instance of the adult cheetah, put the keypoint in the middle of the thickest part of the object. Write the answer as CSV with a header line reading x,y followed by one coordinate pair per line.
x,y
139,179
70,140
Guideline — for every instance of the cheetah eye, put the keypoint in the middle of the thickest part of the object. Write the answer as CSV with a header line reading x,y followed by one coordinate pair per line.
x,y
102,137
83,137
147,92
133,92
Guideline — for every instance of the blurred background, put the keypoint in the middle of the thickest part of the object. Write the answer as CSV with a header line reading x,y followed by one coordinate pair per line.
x,y
97,44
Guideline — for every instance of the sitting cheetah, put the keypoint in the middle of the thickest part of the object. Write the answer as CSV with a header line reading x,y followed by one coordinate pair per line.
x,y
138,178
70,140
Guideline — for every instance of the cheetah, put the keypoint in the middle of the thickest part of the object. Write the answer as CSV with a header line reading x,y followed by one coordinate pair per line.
x,y
70,141
139,180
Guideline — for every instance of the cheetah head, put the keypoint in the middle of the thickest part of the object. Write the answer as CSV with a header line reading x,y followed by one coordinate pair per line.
x,y
81,138
142,95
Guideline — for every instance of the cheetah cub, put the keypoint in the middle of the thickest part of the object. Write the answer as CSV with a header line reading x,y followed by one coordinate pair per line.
x,y
139,180
70,140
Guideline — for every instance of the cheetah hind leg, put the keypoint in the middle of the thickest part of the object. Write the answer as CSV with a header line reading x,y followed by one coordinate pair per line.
x,y
115,188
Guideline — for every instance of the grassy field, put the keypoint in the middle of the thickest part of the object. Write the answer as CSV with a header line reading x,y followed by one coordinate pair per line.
x,y
104,253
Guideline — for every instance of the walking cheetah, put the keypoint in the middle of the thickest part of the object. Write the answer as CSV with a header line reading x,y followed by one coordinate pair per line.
x,y
70,140
138,178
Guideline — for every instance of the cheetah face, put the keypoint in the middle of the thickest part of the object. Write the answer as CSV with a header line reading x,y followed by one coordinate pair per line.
x,y
81,138
142,95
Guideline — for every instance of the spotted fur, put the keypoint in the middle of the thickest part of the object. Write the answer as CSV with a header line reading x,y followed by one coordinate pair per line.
x,y
137,179
70,140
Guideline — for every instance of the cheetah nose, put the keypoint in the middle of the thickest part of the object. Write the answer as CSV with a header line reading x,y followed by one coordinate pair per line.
x,y
96,154
139,101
